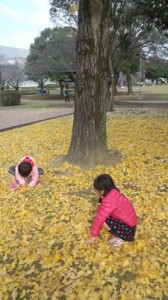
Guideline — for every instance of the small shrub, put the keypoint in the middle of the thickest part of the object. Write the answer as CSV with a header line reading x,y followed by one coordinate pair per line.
x,y
9,98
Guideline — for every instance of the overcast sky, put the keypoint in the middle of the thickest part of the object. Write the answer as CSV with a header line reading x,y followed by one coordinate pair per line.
x,y
22,20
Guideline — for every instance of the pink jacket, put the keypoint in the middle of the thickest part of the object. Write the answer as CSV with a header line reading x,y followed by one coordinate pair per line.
x,y
34,173
116,205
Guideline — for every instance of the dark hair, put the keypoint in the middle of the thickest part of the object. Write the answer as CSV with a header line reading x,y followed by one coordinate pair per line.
x,y
24,168
105,183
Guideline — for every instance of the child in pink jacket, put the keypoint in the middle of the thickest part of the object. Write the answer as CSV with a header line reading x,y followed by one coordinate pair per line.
x,y
115,212
25,171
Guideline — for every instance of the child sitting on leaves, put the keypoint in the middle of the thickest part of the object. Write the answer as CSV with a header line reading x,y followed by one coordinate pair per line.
x,y
115,212
25,171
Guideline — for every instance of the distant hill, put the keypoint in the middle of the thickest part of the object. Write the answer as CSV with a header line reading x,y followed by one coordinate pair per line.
x,y
10,53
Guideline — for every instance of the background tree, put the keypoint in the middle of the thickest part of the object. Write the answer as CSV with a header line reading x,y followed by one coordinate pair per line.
x,y
16,75
156,68
155,11
131,35
52,54
130,68
37,64
3,73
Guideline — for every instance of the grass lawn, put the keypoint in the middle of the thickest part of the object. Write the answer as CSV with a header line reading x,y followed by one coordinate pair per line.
x,y
44,104
157,92
43,230
156,89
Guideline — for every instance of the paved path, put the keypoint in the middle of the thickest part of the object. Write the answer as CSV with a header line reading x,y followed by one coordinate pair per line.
x,y
14,117
11,117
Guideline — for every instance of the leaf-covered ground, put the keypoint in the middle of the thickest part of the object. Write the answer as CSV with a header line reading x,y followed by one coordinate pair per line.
x,y
43,230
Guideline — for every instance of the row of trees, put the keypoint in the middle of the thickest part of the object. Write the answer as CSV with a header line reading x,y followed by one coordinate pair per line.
x,y
53,53
52,56
14,75
52,67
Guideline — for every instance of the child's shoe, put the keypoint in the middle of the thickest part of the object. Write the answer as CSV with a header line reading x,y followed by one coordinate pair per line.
x,y
14,185
115,242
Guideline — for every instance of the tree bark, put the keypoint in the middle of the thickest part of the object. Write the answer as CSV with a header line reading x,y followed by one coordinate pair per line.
x,y
115,81
129,82
88,142
111,93
113,90
61,84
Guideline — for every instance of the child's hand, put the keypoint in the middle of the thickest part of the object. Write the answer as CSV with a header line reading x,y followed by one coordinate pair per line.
x,y
90,241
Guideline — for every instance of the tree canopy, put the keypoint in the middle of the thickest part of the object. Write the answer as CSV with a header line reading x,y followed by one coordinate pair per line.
x,y
12,74
125,24
156,68
52,53
65,10
155,11
132,29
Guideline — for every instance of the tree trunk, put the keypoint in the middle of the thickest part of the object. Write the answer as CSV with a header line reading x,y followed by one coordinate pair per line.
x,y
111,100
40,83
111,94
88,142
61,87
129,82
115,80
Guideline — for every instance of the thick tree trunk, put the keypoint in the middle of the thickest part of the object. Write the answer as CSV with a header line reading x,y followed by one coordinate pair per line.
x,y
88,142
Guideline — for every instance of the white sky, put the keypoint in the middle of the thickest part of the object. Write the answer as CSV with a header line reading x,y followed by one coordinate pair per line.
x,y
21,21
